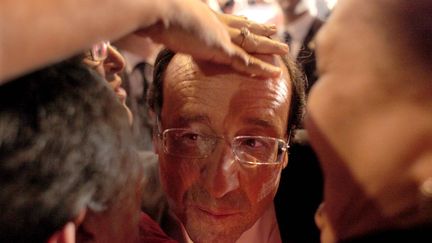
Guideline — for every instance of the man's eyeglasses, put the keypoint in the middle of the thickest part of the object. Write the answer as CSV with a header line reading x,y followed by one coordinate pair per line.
x,y
99,51
187,143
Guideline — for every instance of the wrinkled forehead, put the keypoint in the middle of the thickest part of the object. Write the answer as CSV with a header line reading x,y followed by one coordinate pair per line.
x,y
198,89
184,67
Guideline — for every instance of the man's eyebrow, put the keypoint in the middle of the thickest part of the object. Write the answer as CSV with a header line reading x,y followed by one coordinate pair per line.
x,y
185,120
259,122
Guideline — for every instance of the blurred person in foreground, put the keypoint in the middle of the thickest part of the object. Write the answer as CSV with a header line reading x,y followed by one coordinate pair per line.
x,y
369,119
182,25
67,161
222,140
108,63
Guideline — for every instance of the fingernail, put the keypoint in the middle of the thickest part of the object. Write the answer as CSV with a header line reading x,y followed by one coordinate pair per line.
x,y
285,47
275,71
271,26
278,72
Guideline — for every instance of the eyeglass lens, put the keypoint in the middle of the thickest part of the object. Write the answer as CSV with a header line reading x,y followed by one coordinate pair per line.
x,y
252,149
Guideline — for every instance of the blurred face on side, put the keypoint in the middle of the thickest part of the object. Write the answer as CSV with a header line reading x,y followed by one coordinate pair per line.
x,y
120,221
218,197
369,121
110,68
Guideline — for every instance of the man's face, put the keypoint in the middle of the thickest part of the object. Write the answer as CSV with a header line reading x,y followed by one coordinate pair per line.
x,y
367,120
217,198
110,69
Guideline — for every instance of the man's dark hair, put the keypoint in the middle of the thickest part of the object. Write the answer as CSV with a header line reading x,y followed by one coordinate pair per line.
x,y
297,99
64,147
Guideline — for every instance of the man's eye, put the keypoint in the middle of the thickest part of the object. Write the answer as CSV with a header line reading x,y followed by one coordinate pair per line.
x,y
190,136
252,143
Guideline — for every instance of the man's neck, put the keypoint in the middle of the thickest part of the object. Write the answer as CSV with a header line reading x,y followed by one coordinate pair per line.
x,y
265,229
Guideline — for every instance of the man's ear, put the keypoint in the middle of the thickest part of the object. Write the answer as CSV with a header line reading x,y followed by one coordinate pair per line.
x,y
67,233
285,159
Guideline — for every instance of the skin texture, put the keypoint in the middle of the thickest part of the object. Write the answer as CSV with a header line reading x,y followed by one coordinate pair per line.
x,y
218,198
369,121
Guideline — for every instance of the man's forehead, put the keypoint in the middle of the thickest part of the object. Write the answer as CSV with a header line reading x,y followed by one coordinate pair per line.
x,y
184,66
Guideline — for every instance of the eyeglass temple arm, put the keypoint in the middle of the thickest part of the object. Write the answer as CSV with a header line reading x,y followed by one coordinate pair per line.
x,y
158,126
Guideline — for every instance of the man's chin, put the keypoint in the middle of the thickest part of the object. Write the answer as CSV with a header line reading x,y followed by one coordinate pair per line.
x,y
201,231
203,236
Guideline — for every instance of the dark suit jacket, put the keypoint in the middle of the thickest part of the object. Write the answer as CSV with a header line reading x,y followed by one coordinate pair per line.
x,y
306,57
299,194
301,186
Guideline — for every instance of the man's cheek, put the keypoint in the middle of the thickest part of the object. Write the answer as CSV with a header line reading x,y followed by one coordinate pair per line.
x,y
178,176
260,181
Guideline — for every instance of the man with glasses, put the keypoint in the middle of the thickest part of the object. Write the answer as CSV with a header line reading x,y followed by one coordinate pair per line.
x,y
222,140
109,63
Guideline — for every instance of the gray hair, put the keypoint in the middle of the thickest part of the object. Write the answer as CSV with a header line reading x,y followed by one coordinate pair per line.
x,y
64,146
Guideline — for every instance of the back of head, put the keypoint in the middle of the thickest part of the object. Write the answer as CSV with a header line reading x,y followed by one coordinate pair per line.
x,y
64,147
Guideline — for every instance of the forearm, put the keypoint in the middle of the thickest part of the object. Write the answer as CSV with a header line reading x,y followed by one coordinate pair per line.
x,y
37,33
40,32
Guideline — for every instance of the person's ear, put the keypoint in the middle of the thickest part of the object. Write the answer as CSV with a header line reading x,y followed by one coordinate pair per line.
x,y
285,159
67,233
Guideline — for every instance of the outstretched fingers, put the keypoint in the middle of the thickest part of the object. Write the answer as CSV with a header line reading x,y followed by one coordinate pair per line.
x,y
253,66
258,44
239,22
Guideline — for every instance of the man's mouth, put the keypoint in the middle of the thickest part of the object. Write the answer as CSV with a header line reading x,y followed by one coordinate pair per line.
x,y
217,213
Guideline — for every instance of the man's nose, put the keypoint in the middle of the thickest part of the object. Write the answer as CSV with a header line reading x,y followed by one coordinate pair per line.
x,y
114,63
221,174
